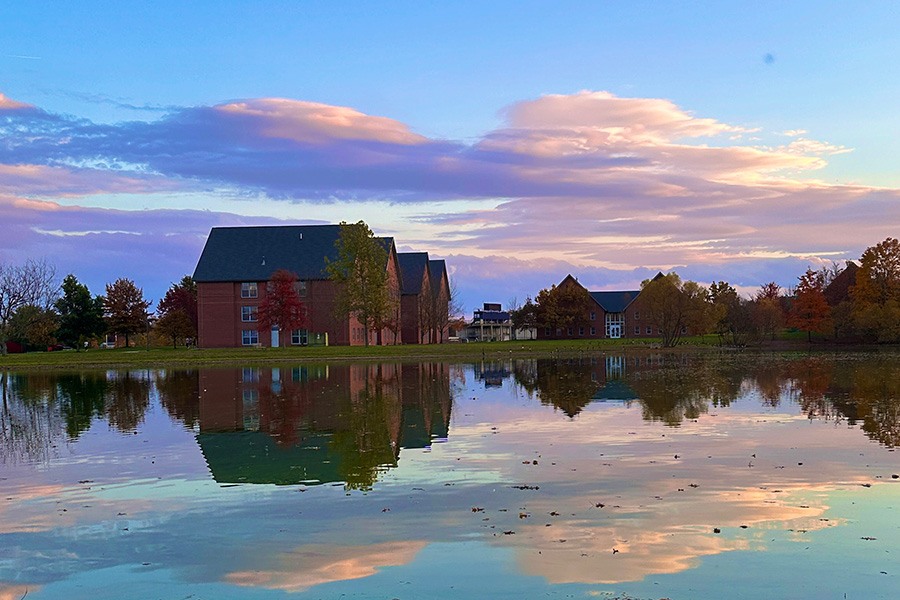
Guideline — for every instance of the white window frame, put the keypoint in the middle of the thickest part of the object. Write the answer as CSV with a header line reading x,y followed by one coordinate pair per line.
x,y
249,314
249,289
299,337
249,337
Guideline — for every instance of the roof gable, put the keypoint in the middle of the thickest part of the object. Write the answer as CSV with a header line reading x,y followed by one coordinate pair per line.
x,y
439,275
412,269
615,302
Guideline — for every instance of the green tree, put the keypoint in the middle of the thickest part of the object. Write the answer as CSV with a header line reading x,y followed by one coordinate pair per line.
x,y
361,276
80,316
526,316
125,308
731,315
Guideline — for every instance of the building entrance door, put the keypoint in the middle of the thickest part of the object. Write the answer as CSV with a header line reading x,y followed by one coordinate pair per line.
x,y
615,330
275,337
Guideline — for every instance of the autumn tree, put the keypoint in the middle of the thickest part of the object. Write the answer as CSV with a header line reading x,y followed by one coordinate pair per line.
x,y
361,276
561,307
175,325
80,315
125,308
876,294
767,309
670,305
34,326
731,315
282,308
878,278
810,311
181,296
31,284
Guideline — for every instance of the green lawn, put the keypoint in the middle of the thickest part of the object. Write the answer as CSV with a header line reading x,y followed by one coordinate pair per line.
x,y
141,357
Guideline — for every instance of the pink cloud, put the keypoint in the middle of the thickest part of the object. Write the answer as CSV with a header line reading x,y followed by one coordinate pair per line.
x,y
312,122
10,104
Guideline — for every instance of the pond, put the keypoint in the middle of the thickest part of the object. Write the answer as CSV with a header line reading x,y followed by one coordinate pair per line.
x,y
681,476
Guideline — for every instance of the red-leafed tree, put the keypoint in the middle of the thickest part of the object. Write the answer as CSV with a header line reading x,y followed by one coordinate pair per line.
x,y
810,311
282,307
181,296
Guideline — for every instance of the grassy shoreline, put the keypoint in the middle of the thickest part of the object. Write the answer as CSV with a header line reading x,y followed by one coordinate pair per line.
x,y
209,357
168,357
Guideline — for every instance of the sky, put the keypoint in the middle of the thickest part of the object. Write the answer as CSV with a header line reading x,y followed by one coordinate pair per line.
x,y
520,141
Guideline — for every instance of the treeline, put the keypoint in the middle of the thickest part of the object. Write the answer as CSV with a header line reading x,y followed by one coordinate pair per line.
x,y
36,312
853,303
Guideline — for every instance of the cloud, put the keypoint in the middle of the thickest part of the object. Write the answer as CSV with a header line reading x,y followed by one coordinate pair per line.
x,y
583,181
10,104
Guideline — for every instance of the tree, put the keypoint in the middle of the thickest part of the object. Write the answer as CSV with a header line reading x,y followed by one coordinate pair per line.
x,y
33,283
125,308
34,326
282,307
878,278
560,307
80,316
731,315
526,316
176,325
361,276
767,309
671,305
181,296
810,311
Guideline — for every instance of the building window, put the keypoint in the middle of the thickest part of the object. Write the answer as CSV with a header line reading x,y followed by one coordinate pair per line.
x,y
593,331
301,289
568,331
637,330
249,314
637,316
546,331
593,316
299,337
581,331
558,332
249,289
249,337
684,331
649,330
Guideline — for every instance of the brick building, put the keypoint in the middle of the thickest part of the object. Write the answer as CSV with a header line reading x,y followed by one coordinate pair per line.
x,y
615,314
233,271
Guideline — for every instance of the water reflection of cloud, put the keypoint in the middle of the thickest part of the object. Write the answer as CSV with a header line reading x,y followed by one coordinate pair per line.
x,y
314,565
12,591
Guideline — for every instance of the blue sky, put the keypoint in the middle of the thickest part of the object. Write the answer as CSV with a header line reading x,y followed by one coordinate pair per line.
x,y
454,75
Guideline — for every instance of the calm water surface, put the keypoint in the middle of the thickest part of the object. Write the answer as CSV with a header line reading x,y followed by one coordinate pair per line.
x,y
652,476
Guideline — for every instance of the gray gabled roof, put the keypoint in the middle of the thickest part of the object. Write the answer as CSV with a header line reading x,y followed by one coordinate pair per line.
x,y
254,253
412,269
438,270
614,302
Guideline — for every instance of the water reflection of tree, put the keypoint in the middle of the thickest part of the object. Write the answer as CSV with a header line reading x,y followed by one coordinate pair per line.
x,y
370,440
566,385
179,393
127,399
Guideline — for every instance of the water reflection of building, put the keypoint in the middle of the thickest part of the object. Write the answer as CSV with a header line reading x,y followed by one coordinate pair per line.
x,y
319,424
492,373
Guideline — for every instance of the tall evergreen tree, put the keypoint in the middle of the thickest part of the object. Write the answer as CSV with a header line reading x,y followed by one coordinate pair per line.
x,y
80,316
